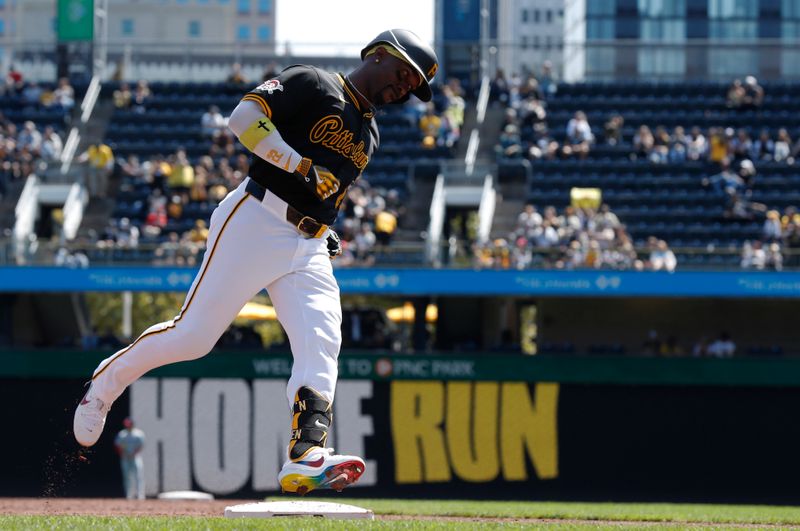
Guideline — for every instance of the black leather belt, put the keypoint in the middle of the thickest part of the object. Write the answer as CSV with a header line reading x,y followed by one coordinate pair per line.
x,y
305,224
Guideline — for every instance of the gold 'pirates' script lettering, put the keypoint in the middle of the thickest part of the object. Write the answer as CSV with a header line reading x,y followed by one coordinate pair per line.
x,y
330,132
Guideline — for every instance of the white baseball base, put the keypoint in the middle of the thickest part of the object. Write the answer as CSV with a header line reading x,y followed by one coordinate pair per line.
x,y
185,495
298,508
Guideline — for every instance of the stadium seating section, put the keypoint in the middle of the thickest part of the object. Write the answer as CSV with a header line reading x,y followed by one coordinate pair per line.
x,y
170,121
665,200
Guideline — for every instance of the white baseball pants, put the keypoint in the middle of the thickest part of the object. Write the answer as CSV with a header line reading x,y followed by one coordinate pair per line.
x,y
250,246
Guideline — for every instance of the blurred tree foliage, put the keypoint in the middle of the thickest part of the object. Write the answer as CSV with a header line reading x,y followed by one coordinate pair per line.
x,y
105,310
148,309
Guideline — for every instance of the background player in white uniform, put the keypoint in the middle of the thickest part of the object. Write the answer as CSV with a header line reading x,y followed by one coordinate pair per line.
x,y
312,133
129,444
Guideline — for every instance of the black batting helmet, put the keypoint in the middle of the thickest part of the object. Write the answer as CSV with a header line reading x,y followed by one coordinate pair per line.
x,y
416,52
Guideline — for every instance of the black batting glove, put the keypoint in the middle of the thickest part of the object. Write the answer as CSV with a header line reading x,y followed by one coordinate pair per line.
x,y
319,180
334,244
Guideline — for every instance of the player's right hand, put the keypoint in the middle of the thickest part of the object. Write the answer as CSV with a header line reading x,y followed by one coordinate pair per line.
x,y
319,180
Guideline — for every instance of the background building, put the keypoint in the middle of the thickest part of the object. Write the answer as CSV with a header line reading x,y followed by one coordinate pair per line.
x,y
146,30
531,32
699,39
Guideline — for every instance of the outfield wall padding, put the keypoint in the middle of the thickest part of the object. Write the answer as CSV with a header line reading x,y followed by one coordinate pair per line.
x,y
458,427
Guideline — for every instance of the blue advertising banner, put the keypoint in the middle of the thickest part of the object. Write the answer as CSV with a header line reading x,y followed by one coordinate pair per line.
x,y
735,284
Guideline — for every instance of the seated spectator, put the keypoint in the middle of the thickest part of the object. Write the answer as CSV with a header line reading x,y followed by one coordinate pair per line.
x,y
236,76
726,181
30,138
453,115
791,237
772,229
783,146
544,146
199,233
127,235
51,145
141,96
678,146
431,127
122,96
529,90
199,190
662,258
546,235
364,242
612,130
718,143
528,220
499,87
747,172
643,142
385,225
32,94
175,207
606,218
64,94
531,112
74,260
722,347
697,146
661,142
753,94
212,123
753,256
169,251
579,136
181,177
735,94
521,255
764,147
775,257
15,82
161,169
547,80
155,221
131,170
501,254
741,145
794,154
510,142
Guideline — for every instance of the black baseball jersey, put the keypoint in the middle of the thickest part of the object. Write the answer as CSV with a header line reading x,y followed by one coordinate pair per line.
x,y
318,115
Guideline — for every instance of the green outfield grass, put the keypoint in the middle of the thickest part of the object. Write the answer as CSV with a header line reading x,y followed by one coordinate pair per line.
x,y
649,512
577,516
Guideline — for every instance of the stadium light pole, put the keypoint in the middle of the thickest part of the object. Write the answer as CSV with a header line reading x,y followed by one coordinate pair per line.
x,y
100,55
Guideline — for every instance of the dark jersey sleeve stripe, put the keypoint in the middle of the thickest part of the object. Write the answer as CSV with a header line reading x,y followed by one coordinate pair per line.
x,y
258,99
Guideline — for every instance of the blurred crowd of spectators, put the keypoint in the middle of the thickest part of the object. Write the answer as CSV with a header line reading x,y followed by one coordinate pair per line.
x,y
178,188
29,148
721,345
576,238
781,231
441,119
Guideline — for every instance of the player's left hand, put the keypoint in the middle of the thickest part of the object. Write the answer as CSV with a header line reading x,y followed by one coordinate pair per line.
x,y
334,244
318,179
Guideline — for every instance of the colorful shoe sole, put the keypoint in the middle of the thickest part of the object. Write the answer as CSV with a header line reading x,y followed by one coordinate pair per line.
x,y
336,477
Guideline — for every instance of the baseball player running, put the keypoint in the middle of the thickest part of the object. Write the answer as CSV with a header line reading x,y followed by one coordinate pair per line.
x,y
312,134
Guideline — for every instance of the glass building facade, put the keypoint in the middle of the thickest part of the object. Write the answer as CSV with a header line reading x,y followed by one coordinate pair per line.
x,y
678,39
